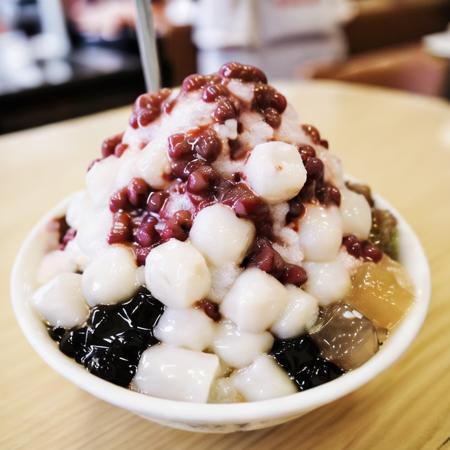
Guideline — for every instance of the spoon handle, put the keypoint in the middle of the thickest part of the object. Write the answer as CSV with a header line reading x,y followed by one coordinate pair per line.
x,y
147,44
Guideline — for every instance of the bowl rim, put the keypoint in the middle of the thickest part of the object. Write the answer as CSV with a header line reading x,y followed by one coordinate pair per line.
x,y
222,414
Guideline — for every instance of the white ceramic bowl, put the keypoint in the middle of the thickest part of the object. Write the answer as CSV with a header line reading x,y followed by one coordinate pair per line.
x,y
217,418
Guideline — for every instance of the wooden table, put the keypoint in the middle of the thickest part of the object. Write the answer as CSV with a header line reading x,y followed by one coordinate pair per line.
x,y
398,143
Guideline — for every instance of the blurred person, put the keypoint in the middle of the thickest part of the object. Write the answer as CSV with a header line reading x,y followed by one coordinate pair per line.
x,y
282,37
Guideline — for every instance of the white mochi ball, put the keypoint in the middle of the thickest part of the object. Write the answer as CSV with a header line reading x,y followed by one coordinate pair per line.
x,y
356,214
188,328
100,180
140,275
61,302
92,234
255,301
240,348
176,373
176,274
54,263
76,254
328,282
299,315
128,168
262,380
320,233
153,163
111,277
79,204
275,171
220,235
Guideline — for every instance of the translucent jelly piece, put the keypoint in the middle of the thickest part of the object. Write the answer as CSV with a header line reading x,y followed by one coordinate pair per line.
x,y
345,336
382,292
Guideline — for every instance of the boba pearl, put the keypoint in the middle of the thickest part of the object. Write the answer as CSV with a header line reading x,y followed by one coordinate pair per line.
x,y
299,315
176,373
240,348
320,233
255,301
176,274
328,282
220,235
111,277
275,171
188,328
262,380
60,301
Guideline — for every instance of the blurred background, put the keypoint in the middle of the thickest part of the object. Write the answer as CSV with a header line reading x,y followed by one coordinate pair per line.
x,y
66,58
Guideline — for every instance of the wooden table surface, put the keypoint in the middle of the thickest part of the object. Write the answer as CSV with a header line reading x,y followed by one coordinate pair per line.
x,y
398,143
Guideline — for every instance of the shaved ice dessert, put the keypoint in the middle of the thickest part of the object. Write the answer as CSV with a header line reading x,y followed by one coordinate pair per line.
x,y
218,253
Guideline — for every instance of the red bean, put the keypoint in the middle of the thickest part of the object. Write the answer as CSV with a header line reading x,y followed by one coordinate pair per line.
x,y
210,308
247,205
208,145
119,200
263,258
109,144
265,96
183,218
156,201
138,191
314,168
242,72
328,194
272,117
177,169
306,151
212,92
141,254
120,150
146,234
178,226
193,82
201,180
314,134
168,106
353,246
334,195
266,258
296,210
293,274
371,252
121,230
224,111
179,147
147,116
308,191
147,108
133,121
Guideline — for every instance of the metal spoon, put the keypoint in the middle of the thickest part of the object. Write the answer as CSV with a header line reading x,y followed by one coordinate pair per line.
x,y
147,44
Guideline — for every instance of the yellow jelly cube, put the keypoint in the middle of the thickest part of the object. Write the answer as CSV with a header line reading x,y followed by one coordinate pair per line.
x,y
381,291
